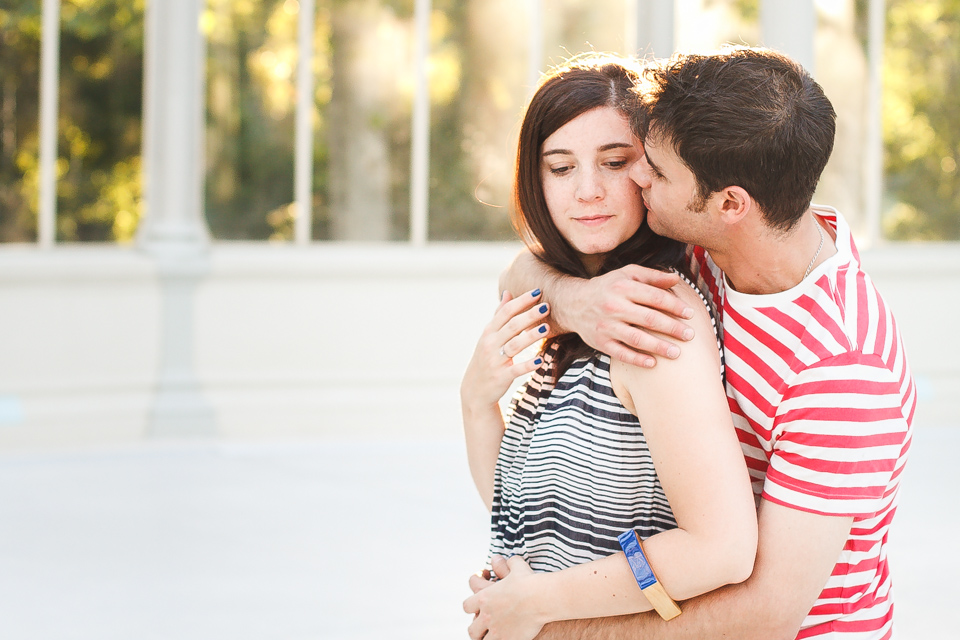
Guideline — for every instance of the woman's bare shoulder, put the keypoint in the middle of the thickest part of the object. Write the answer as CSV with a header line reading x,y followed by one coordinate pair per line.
x,y
702,352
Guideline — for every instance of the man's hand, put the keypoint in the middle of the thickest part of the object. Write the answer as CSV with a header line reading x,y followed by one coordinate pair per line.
x,y
502,609
619,312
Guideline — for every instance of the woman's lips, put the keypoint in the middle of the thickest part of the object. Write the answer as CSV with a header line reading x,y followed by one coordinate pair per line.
x,y
593,221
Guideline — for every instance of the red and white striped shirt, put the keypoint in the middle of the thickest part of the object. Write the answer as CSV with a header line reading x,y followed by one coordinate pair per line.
x,y
823,402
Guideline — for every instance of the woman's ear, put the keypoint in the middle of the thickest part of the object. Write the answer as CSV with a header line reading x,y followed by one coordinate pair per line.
x,y
735,204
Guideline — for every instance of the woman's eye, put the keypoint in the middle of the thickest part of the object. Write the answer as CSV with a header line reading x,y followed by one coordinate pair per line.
x,y
559,171
616,164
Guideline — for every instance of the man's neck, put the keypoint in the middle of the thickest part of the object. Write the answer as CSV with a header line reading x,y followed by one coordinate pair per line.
x,y
758,261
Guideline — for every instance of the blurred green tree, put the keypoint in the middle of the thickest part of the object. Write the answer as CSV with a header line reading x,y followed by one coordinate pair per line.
x,y
920,124
477,78
19,96
99,124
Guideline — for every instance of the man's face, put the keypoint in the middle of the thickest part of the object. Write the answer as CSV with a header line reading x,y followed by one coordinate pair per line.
x,y
670,194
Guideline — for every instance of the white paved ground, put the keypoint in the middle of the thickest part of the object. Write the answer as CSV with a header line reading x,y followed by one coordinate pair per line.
x,y
320,540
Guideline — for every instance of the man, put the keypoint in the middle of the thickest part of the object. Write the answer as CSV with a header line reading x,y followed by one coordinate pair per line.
x,y
817,380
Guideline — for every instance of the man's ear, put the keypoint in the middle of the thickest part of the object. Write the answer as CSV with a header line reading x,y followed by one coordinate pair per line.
x,y
734,204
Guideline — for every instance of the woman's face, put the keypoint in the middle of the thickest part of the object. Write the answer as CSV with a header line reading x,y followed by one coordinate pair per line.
x,y
584,167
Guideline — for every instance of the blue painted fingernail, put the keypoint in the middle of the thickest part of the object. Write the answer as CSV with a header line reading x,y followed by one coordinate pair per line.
x,y
542,328
538,361
543,308
535,293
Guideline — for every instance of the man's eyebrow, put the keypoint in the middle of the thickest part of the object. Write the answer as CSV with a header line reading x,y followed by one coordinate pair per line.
x,y
653,165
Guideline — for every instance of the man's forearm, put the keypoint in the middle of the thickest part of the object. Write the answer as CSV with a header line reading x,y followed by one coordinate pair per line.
x,y
621,313
719,614
611,628
629,627
527,272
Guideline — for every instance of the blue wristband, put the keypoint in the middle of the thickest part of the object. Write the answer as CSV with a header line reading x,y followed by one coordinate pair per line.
x,y
638,562
646,579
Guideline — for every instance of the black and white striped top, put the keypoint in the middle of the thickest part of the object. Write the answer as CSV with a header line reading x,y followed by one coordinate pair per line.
x,y
574,470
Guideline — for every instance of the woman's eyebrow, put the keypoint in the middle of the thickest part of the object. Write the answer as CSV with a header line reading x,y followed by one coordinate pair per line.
x,y
603,147
615,145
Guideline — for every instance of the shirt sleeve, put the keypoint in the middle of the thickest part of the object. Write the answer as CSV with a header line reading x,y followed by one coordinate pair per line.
x,y
840,436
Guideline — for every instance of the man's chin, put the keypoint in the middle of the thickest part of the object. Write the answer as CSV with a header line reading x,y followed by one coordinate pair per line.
x,y
654,223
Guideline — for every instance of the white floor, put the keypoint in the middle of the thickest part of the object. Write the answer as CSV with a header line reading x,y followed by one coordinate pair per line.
x,y
320,540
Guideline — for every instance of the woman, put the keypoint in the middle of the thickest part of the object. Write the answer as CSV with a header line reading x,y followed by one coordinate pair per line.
x,y
592,448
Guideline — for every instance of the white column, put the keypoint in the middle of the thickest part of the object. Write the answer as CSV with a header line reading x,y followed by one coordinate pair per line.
x,y
173,103
420,130
49,103
173,229
655,27
873,167
303,158
789,26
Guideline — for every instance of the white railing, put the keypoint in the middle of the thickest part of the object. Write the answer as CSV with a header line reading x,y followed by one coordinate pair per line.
x,y
788,24
49,92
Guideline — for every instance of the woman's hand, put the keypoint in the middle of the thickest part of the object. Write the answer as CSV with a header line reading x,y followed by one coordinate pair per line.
x,y
517,324
505,610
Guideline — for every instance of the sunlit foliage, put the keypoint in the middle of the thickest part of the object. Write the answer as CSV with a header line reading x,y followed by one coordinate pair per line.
x,y
101,78
921,125
362,109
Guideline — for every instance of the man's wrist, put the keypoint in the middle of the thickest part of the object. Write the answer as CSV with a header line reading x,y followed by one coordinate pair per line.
x,y
563,294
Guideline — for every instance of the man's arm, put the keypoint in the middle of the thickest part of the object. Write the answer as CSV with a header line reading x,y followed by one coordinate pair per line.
x,y
796,555
614,313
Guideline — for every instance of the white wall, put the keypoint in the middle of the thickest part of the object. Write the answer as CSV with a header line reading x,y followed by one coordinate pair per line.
x,y
338,341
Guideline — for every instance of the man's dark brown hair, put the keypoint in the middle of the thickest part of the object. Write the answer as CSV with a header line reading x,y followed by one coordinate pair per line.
x,y
744,117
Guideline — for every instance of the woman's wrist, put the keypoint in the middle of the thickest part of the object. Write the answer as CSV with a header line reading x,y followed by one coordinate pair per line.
x,y
474,409
546,599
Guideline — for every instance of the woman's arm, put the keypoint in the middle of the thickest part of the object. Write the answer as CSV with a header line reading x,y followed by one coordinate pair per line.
x,y
620,313
517,324
686,420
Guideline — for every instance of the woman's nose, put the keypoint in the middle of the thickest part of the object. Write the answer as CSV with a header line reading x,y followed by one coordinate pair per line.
x,y
590,187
